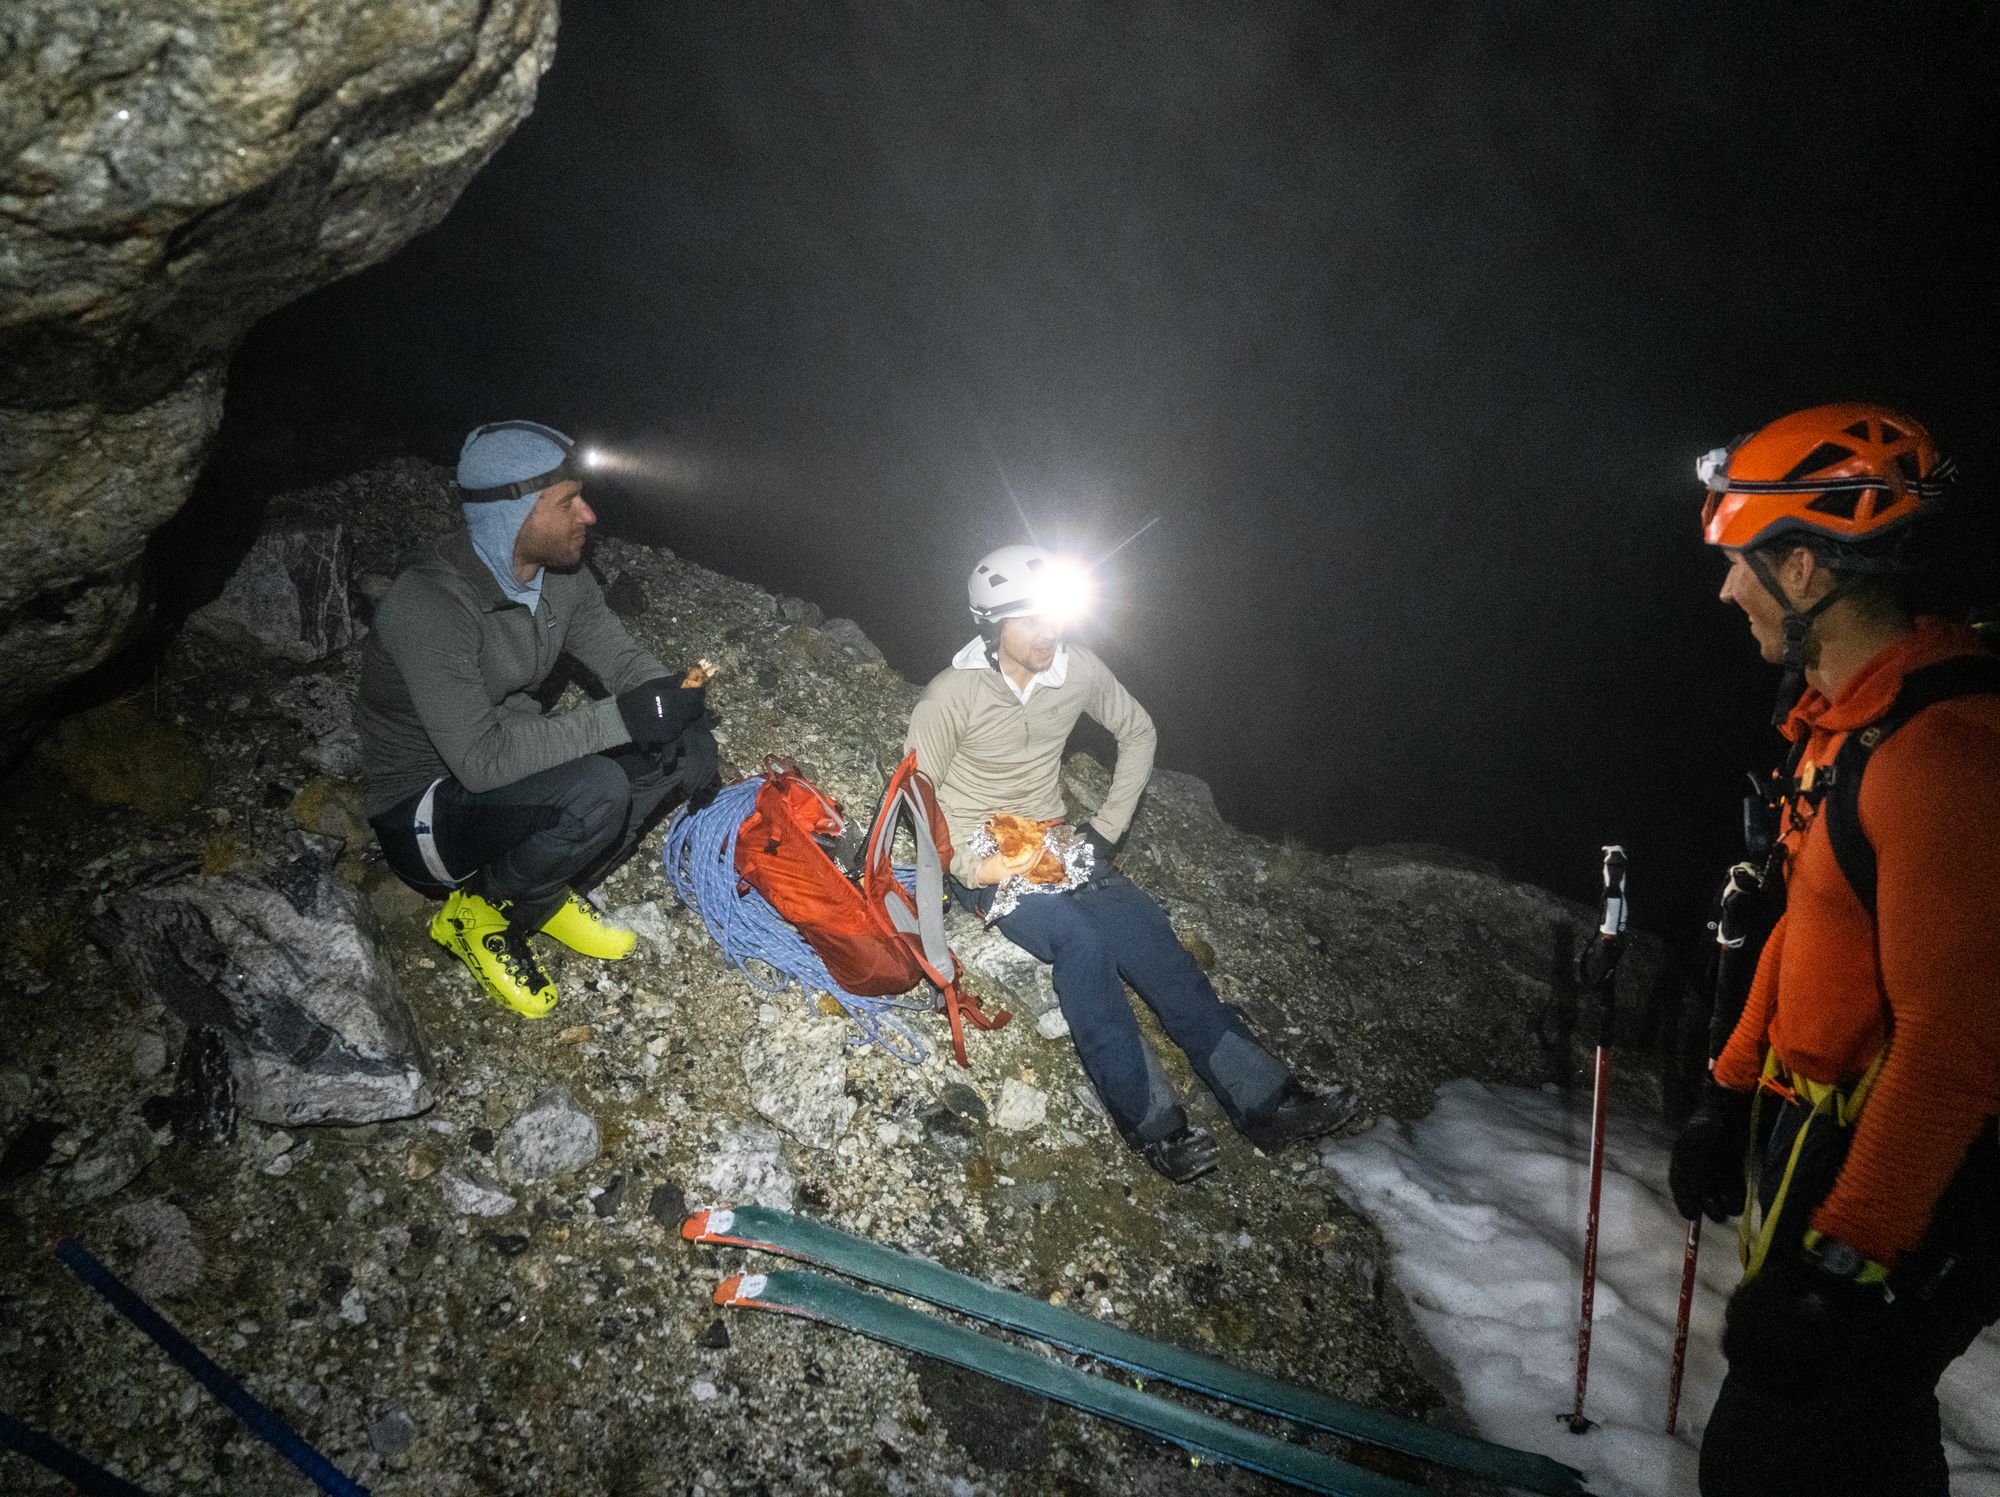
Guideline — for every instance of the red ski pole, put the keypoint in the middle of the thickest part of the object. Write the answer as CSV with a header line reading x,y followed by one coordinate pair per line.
x,y
1688,1261
1600,967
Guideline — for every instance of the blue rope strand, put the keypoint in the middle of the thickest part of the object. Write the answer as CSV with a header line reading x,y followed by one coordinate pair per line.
x,y
700,858
261,1420
85,1475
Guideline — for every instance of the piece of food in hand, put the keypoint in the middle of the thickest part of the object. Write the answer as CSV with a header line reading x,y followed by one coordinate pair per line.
x,y
1016,835
698,673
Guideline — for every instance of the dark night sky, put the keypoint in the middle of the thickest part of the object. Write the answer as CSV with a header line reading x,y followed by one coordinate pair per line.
x,y
1408,321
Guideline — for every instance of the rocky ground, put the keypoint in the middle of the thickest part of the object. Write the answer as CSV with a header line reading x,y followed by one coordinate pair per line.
x,y
491,1295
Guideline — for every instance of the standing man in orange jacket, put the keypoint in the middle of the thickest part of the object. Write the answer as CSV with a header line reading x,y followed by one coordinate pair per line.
x,y
1862,1081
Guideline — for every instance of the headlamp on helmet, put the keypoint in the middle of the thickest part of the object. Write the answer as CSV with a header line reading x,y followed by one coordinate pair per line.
x,y
1849,473
1022,581
1065,591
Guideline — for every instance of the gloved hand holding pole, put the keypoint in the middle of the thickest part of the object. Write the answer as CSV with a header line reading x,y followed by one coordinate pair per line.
x,y
1706,1173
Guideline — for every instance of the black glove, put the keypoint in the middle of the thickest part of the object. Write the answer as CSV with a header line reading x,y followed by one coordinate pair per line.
x,y
1706,1173
1801,1328
660,710
1103,851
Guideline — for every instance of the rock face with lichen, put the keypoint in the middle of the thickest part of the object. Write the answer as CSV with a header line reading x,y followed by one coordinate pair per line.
x,y
169,173
493,1296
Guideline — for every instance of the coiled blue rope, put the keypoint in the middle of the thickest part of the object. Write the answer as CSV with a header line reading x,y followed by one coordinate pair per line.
x,y
262,1421
700,859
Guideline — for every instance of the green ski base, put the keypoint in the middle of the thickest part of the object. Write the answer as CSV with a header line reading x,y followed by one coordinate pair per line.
x,y
781,1232
829,1300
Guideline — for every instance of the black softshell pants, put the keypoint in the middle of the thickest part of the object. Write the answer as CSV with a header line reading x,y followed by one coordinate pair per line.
x,y
1880,1436
531,841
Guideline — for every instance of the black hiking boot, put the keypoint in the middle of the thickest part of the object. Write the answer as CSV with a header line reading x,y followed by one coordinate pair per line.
x,y
1183,1155
1298,1115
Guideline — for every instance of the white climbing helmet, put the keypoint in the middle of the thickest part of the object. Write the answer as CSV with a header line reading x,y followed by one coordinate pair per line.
x,y
1017,581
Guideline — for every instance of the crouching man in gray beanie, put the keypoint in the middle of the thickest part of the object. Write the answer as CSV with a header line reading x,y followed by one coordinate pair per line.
x,y
477,796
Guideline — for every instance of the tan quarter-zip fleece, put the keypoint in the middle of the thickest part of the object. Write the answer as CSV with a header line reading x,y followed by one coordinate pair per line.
x,y
987,752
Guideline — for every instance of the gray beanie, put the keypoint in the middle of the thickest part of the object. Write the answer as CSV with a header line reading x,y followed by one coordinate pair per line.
x,y
494,456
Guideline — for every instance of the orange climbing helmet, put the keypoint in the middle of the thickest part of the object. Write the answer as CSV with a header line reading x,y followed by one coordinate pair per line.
x,y
1850,473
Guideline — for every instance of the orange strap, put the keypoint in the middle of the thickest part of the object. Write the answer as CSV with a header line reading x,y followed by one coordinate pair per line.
x,y
962,1008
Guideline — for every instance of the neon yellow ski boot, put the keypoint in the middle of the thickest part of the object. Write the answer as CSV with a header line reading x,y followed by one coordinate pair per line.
x,y
497,954
583,927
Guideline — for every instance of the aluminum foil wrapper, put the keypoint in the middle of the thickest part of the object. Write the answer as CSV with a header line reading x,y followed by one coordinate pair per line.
x,y
1066,842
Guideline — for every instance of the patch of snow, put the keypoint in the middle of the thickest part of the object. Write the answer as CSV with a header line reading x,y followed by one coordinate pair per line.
x,y
1482,1204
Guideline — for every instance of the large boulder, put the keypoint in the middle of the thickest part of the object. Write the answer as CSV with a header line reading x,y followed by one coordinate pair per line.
x,y
168,175
288,596
290,970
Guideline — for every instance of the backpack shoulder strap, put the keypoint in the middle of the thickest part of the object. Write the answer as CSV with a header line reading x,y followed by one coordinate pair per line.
x,y
1961,676
909,793
919,921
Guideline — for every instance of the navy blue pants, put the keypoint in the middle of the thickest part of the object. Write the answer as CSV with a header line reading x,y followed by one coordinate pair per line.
x,y
1113,930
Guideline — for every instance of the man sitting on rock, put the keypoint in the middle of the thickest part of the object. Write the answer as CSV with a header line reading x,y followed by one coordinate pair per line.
x,y
479,797
989,732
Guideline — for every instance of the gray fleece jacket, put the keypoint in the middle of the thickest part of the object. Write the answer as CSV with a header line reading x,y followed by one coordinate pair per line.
x,y
447,677
988,752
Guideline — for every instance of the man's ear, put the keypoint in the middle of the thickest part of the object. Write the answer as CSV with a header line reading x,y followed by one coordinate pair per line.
x,y
1805,576
1815,577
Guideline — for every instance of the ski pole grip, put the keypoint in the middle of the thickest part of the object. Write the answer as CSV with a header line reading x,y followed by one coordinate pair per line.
x,y
1612,908
1597,963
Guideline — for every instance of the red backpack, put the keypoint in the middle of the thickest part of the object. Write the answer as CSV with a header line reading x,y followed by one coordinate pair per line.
x,y
874,936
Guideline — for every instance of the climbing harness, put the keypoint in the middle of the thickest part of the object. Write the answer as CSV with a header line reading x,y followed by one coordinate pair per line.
x,y
263,1422
700,859
1840,1104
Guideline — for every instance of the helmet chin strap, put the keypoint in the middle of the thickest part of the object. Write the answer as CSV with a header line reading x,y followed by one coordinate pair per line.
x,y
1798,630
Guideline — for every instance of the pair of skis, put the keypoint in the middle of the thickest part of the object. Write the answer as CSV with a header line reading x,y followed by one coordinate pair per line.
x,y
829,1300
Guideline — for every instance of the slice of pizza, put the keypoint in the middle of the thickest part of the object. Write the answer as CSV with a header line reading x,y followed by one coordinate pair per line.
x,y
1016,834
